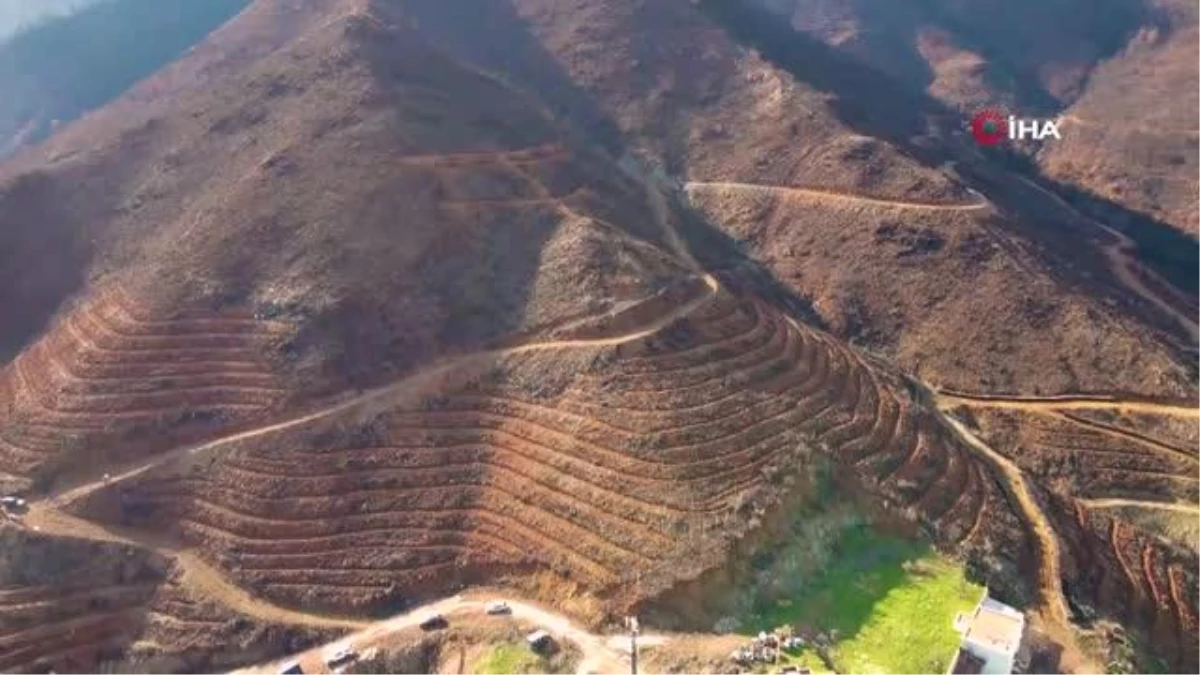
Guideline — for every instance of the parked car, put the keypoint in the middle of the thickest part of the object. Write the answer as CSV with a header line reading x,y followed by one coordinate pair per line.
x,y
341,657
498,607
540,641
433,622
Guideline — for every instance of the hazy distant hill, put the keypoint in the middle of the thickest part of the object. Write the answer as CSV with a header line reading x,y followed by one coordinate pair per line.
x,y
63,64
17,14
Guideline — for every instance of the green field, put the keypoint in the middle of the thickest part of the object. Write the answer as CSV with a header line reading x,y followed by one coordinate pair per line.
x,y
509,658
892,603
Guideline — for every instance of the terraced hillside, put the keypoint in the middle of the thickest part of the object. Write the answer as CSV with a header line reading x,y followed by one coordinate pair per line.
x,y
1116,570
775,125
834,249
1097,462
641,461
1114,489
70,604
113,381
77,602
371,300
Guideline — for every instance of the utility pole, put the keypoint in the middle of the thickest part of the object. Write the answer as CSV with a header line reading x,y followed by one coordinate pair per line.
x,y
632,623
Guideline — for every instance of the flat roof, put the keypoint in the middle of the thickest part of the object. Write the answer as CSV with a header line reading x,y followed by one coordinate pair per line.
x,y
996,625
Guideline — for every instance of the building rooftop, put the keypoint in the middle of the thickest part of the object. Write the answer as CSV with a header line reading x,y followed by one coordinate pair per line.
x,y
997,626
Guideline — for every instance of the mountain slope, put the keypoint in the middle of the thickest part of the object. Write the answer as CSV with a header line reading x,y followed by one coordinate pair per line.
x,y
361,301
437,227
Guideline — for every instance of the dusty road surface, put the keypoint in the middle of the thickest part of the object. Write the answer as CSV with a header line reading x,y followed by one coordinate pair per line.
x,y
600,653
1070,402
844,198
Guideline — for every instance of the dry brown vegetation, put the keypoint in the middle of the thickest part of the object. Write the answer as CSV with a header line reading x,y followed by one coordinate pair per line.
x,y
364,301
942,292
106,385
644,468
69,605
1132,135
1120,73
1132,570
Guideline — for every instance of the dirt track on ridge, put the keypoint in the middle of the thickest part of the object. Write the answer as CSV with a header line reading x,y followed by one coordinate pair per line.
x,y
1069,402
1114,503
1122,258
832,196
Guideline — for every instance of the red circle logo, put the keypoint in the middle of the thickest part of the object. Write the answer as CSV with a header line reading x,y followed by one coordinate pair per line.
x,y
989,127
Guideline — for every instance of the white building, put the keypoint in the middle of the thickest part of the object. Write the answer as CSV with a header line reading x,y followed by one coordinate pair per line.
x,y
991,636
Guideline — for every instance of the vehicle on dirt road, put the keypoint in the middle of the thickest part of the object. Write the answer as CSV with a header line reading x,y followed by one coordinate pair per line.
x,y
341,657
434,622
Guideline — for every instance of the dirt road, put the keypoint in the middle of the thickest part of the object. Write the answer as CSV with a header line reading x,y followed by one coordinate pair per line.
x,y
413,386
1069,402
1141,504
197,574
832,196
1123,260
1130,435
1053,603
600,653
49,514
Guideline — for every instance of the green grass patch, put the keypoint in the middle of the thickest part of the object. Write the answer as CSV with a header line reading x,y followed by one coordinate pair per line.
x,y
509,658
891,602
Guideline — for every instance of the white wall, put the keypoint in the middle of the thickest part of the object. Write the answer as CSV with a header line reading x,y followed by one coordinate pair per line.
x,y
996,662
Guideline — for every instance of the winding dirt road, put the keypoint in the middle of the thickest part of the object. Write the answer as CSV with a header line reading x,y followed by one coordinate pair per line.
x,y
1123,260
1115,503
49,515
1070,402
832,196
599,654
408,388
197,574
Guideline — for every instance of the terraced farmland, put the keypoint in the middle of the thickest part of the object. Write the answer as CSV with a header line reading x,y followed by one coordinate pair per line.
x,y
640,462
70,603
1098,458
112,375
1094,460
67,605
1115,570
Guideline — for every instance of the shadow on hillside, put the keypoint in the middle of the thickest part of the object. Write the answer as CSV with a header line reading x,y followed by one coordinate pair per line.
x,y
1165,249
874,104
42,258
446,74
65,65
494,37
723,256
